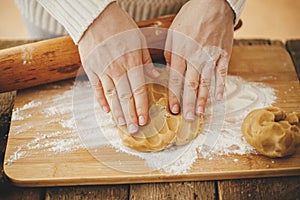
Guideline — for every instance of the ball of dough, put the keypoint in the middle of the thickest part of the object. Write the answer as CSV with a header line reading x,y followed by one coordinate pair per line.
x,y
163,129
272,132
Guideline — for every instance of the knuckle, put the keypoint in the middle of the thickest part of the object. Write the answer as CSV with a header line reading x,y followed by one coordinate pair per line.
x,y
140,91
205,83
222,71
201,100
125,96
110,92
192,84
220,85
175,81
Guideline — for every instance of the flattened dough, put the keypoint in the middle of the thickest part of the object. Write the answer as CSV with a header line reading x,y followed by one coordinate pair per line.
x,y
272,132
163,129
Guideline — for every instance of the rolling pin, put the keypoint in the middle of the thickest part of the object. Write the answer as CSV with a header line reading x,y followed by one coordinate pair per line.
x,y
57,59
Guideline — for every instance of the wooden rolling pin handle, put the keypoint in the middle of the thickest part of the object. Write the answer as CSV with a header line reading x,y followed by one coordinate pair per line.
x,y
53,60
58,59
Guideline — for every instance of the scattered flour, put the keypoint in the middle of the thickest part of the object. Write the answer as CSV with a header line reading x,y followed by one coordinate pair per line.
x,y
27,55
85,126
55,142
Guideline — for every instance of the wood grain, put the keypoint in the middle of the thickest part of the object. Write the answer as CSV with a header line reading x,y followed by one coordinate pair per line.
x,y
270,188
261,188
16,193
268,64
293,47
6,106
229,189
170,191
109,192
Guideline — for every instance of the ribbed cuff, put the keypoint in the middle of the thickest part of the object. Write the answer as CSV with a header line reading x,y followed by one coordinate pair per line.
x,y
75,15
237,6
147,9
33,13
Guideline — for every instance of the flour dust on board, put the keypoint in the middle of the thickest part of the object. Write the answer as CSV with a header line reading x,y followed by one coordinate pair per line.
x,y
85,126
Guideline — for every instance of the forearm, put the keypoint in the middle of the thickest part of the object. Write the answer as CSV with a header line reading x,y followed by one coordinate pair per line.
x,y
76,15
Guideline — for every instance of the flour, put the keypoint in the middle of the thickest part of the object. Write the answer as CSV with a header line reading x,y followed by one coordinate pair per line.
x,y
220,134
51,144
16,112
85,126
27,55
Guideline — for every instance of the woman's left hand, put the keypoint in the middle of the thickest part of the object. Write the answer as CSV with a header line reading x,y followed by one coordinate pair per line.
x,y
198,45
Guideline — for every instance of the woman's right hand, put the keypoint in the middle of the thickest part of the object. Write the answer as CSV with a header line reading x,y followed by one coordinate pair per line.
x,y
115,58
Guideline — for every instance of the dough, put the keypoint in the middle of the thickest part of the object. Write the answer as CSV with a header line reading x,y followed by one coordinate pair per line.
x,y
272,132
163,129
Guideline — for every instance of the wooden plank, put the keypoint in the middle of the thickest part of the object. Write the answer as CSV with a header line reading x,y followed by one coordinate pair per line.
x,y
7,191
6,106
15,193
261,42
293,47
262,63
169,191
251,183
270,64
119,192
267,188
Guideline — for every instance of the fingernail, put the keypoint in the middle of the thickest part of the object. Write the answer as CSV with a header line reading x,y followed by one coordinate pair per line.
x,y
200,110
155,73
132,128
141,120
121,121
219,97
105,109
190,116
175,109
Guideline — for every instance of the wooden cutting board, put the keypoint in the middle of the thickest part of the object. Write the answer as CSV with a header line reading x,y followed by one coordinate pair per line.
x,y
46,166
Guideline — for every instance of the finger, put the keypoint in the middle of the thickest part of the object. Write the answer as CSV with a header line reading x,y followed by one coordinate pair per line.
x,y
190,91
177,69
137,83
205,81
101,99
149,68
98,91
168,48
126,98
220,74
112,99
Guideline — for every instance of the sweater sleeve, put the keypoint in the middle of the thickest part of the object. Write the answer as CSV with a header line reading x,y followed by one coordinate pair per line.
x,y
237,6
75,15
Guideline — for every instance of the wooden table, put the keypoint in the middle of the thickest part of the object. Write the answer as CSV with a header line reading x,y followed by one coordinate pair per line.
x,y
258,188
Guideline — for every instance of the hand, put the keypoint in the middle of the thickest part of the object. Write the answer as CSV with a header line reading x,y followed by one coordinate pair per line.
x,y
114,56
199,43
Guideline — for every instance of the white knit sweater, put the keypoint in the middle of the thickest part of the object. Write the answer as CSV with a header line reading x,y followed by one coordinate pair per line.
x,y
77,15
